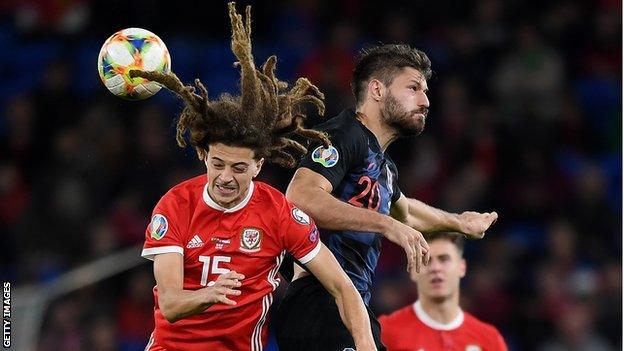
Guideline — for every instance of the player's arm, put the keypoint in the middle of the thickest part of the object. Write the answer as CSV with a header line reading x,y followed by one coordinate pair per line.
x,y
311,192
428,219
352,310
175,302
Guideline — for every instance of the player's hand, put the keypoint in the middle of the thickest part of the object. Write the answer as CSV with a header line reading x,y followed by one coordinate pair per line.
x,y
474,224
226,284
412,241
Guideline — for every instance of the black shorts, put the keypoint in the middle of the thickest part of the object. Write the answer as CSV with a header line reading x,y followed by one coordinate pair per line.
x,y
308,320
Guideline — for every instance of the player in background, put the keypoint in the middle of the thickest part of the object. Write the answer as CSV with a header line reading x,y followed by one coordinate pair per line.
x,y
217,240
435,321
351,190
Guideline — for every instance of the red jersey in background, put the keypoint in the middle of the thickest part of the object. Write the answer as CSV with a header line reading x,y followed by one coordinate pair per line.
x,y
411,329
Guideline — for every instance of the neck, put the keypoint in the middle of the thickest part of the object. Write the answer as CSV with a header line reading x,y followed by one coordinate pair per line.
x,y
230,206
370,117
226,205
444,311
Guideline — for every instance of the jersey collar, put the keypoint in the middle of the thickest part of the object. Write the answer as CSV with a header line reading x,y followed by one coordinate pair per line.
x,y
430,322
210,202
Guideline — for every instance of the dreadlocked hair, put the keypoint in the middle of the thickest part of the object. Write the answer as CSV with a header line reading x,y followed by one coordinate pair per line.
x,y
263,118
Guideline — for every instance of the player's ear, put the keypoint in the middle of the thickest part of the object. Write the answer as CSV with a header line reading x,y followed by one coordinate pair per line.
x,y
376,89
259,164
462,268
201,154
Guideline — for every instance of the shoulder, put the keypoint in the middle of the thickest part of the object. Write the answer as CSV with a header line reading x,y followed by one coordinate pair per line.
x,y
186,191
487,330
343,127
268,198
398,317
265,191
274,201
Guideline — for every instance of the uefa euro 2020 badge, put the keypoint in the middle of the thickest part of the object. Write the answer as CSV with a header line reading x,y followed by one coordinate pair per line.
x,y
158,226
328,157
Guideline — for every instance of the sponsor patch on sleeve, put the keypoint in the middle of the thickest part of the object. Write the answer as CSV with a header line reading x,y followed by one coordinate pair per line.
x,y
158,226
327,157
314,235
300,216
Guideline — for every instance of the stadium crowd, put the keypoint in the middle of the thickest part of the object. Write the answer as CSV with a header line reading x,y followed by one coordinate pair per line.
x,y
525,120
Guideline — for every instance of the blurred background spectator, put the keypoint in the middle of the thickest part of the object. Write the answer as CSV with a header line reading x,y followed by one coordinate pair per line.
x,y
526,119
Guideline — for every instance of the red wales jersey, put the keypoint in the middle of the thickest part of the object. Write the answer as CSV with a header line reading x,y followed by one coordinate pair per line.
x,y
411,329
250,238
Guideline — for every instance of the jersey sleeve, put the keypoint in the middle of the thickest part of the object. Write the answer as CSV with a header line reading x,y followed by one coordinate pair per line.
x,y
163,234
388,336
300,236
498,342
333,163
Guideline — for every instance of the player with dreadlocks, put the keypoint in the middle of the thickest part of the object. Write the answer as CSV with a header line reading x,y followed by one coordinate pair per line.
x,y
217,242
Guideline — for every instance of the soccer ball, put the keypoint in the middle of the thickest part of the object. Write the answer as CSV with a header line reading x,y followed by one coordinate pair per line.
x,y
128,49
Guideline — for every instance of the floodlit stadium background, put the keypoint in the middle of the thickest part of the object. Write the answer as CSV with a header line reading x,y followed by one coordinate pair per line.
x,y
525,120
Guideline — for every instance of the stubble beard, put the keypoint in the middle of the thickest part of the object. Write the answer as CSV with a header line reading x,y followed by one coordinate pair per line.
x,y
394,115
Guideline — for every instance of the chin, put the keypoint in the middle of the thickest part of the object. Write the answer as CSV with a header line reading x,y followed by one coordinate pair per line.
x,y
439,298
417,127
410,129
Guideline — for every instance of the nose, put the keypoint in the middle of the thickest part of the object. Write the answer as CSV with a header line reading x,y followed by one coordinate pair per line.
x,y
226,175
423,100
434,265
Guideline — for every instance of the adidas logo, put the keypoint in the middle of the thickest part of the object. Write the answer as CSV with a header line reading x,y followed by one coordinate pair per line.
x,y
195,242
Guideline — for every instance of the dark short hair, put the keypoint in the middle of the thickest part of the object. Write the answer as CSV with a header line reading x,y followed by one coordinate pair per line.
x,y
455,238
383,62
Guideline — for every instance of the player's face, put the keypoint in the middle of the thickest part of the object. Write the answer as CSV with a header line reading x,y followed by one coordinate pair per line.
x,y
439,280
230,172
405,104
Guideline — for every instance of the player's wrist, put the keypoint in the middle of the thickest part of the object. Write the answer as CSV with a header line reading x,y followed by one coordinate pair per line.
x,y
365,343
454,222
385,225
207,297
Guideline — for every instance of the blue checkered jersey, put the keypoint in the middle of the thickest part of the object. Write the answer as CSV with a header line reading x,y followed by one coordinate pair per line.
x,y
362,175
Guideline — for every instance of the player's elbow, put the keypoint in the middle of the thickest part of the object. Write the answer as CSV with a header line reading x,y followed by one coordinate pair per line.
x,y
342,287
167,309
169,315
301,196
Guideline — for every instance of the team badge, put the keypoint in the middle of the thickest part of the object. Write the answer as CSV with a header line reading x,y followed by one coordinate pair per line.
x,y
250,240
300,216
158,226
327,157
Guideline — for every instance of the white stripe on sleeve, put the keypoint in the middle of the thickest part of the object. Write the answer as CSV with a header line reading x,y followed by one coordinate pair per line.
x,y
149,253
307,258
